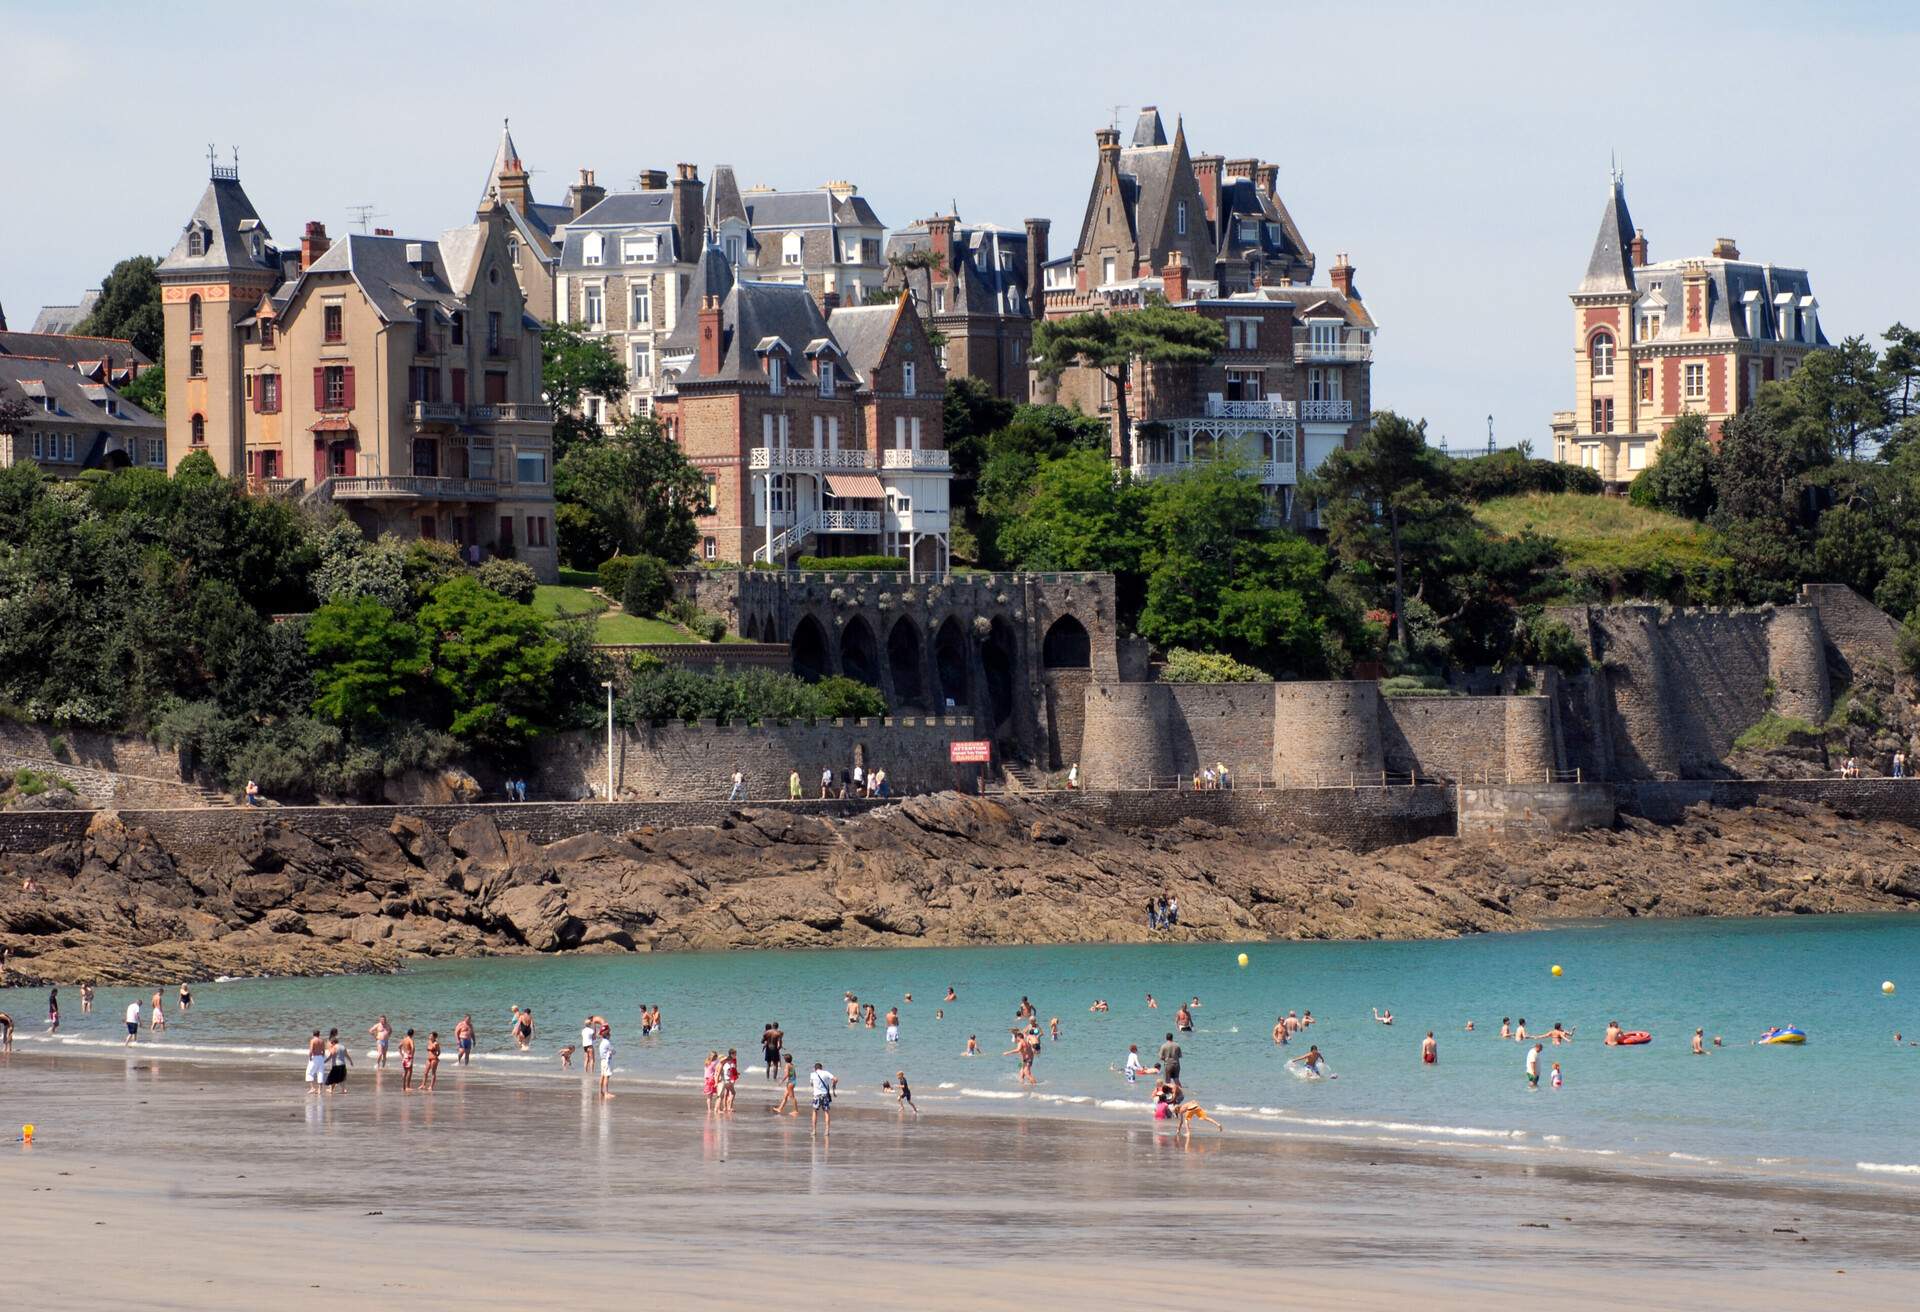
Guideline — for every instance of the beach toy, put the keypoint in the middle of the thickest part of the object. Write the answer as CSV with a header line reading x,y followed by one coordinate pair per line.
x,y
26,1134
1633,1039
1886,986
1243,965
1556,972
1784,1034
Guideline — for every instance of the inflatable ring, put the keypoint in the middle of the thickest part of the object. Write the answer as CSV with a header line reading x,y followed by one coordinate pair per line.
x,y
1633,1038
1785,1034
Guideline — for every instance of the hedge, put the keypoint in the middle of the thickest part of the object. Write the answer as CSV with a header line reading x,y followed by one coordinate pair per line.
x,y
848,564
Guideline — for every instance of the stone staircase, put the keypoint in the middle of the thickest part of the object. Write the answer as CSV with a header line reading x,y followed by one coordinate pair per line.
x,y
1022,777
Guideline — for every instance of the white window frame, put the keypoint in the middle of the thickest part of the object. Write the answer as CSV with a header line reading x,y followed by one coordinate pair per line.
x,y
640,356
640,305
776,375
593,305
1636,455
792,249
639,250
826,370
1107,270
1180,219
1692,373
593,249
1600,357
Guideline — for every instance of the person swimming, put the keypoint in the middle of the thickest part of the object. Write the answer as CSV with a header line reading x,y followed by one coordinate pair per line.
x,y
1386,1019
1312,1061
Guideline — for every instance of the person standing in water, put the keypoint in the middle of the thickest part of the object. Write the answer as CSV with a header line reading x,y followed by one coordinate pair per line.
x,y
1533,1065
606,1060
1312,1060
824,1082
158,1021
770,1044
133,1022
186,998
406,1061
382,1032
893,1024
432,1076
86,999
463,1040
1429,1050
316,1059
53,1010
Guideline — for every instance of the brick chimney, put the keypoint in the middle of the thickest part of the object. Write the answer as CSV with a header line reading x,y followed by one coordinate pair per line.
x,y
1724,249
1241,168
585,194
313,243
829,302
709,336
1206,172
940,242
1266,177
1173,277
653,179
689,210
1637,248
1342,276
1037,230
515,186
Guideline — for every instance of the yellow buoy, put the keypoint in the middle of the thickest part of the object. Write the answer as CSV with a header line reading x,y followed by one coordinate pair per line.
x,y
1243,962
1886,986
1556,970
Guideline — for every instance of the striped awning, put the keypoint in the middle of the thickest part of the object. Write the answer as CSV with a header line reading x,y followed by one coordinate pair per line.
x,y
855,485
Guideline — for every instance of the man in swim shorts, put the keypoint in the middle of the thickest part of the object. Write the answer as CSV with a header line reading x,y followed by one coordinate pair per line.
x,y
463,1037
1533,1065
382,1032
770,1042
1429,1050
133,1021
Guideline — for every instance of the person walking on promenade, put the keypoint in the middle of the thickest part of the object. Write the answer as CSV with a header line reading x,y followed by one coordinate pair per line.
x,y
826,783
793,785
1899,765
738,793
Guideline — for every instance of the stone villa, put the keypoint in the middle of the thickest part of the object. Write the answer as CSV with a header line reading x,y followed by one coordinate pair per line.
x,y
981,295
398,379
1293,383
1688,336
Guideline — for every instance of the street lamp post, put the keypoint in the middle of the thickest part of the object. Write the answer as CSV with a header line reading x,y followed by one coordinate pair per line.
x,y
608,685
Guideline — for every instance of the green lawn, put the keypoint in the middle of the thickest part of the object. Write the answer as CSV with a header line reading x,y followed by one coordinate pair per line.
x,y
1617,547
559,601
631,628
579,578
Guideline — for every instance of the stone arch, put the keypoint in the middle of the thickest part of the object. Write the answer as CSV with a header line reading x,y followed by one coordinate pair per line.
x,y
999,661
903,663
859,652
812,660
1067,646
950,664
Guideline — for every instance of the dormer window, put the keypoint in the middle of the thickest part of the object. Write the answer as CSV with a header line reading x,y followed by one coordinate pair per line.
x,y
258,247
639,250
594,249
826,378
776,375
196,241
266,334
790,249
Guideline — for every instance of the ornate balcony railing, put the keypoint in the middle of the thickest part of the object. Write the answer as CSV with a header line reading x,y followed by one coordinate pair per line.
x,y
1327,411
1263,471
806,457
1308,348
417,487
847,521
511,412
892,458
1267,408
435,412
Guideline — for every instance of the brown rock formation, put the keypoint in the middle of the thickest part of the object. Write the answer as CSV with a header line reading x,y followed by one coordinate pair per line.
x,y
945,869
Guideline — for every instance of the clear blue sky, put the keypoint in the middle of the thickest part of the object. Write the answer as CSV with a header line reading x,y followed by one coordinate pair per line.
x,y
1459,153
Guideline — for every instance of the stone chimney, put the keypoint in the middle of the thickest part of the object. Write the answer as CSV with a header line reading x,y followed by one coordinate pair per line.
x,y
1173,277
1266,177
514,185
1206,172
1637,248
839,188
689,211
585,194
653,180
1108,139
709,336
313,243
1724,249
1037,230
1241,168
1342,277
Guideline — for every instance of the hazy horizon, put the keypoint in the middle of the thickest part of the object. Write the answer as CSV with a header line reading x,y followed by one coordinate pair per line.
x,y
1450,156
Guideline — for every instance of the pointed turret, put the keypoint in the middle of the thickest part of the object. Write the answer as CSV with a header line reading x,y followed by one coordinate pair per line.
x,y
723,198
1610,268
507,174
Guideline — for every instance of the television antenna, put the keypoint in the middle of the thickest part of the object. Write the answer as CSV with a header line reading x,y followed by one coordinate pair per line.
x,y
364,214
1114,122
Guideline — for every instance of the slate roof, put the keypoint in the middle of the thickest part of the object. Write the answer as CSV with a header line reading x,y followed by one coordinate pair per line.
x,y
723,198
712,276
229,226
980,284
1609,267
621,214
72,350
65,318
1148,130
1315,301
72,395
863,332
1728,284
751,314
393,286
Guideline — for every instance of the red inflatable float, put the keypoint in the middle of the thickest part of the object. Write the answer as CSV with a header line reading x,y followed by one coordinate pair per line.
x,y
1632,1038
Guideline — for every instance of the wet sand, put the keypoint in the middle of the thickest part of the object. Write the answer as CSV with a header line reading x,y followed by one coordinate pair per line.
x,y
175,1184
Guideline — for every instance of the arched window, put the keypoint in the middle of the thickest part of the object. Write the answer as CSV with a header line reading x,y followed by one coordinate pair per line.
x,y
196,243
199,430
1601,354
193,313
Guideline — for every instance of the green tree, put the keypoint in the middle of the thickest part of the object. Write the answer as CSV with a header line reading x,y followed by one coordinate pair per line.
x,y
1680,479
1900,371
129,307
1114,342
972,412
492,659
1836,401
647,586
574,365
1369,495
638,488
367,660
148,390
1075,515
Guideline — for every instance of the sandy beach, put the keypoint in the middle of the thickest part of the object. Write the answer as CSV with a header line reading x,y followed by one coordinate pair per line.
x,y
181,1184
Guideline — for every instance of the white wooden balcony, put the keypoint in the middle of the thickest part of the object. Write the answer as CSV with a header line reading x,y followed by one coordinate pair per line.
x,y
412,487
847,521
893,458
1340,411
1272,407
1320,348
1268,473
806,457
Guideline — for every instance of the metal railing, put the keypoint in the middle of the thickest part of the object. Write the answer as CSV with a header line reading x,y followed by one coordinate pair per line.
x,y
1336,350
414,486
1267,408
806,457
1263,471
1258,780
511,412
896,459
1341,410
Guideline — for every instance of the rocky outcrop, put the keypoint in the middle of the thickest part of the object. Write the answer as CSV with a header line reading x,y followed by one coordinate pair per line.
x,y
943,869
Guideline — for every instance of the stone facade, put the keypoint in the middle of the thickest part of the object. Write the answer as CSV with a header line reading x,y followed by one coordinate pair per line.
x,y
1534,808
681,762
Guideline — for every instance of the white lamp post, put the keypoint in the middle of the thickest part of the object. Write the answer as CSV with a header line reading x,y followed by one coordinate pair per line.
x,y
608,685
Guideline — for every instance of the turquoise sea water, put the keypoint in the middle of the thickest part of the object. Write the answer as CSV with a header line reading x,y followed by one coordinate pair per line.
x,y
1843,1103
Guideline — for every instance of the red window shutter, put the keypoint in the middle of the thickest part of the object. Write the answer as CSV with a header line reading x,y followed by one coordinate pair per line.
x,y
353,461
346,387
254,395
253,463
319,387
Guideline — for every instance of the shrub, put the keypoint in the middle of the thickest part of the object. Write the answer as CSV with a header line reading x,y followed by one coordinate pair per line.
x,y
1545,641
849,699
613,575
1415,685
682,611
57,748
708,627
1185,666
1772,731
658,693
32,783
510,578
648,586
846,564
